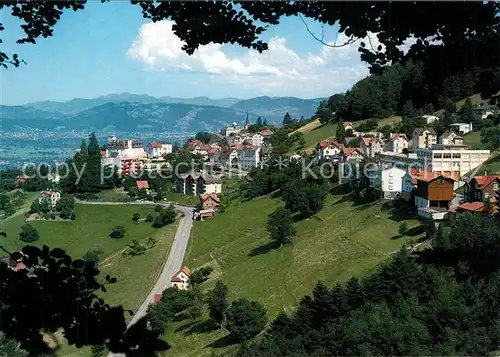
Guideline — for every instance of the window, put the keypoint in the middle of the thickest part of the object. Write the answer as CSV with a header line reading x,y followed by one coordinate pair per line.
x,y
456,156
441,181
391,187
447,156
438,156
486,195
495,186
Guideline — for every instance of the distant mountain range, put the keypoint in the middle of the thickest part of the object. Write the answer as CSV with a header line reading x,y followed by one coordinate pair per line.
x,y
131,112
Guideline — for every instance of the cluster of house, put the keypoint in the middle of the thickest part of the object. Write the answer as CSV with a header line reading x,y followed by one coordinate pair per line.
x,y
132,157
241,149
234,146
412,167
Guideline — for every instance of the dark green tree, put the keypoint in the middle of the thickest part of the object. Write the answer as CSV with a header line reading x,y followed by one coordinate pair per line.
x,y
217,302
164,217
28,233
259,122
280,226
200,275
287,119
245,319
467,111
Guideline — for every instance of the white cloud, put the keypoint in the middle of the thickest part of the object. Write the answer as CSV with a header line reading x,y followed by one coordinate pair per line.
x,y
277,71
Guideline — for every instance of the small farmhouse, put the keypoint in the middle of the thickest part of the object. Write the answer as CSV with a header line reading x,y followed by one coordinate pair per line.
x,y
180,280
209,200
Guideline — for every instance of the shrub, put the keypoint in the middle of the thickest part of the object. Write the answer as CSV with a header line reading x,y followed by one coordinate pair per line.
x,y
403,228
158,208
94,255
28,233
117,232
165,217
149,218
136,216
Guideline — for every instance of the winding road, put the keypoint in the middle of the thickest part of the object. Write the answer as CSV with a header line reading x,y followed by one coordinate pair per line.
x,y
172,264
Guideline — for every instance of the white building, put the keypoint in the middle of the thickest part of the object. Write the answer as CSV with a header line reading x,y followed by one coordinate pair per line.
x,y
197,184
372,146
397,143
155,165
330,150
159,149
248,157
462,128
451,138
390,181
429,119
52,196
484,111
125,149
256,139
423,138
181,279
451,159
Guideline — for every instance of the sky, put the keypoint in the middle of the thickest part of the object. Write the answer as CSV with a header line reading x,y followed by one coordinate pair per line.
x,y
110,48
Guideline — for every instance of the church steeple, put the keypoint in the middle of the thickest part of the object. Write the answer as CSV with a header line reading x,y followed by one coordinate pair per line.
x,y
247,123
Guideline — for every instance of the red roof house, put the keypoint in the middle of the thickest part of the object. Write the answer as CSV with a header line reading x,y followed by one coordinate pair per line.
x,y
142,184
157,298
266,132
180,280
209,200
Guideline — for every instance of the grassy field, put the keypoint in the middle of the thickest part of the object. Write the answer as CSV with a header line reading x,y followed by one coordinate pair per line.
x,y
135,275
339,242
474,140
184,200
92,226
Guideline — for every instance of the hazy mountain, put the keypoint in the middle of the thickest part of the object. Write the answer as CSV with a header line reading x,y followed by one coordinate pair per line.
x,y
276,107
273,108
125,117
223,102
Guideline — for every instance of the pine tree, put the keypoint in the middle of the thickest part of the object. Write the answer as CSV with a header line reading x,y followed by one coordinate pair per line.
x,y
287,119
93,146
264,123
450,106
467,112
408,110
259,121
83,149
340,134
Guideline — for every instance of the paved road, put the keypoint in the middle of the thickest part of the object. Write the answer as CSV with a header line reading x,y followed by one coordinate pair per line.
x,y
173,263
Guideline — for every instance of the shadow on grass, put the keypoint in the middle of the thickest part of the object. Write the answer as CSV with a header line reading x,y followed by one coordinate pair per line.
x,y
263,249
185,327
222,342
202,327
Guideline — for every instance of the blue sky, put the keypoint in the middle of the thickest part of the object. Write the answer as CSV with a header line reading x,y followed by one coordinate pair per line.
x,y
109,48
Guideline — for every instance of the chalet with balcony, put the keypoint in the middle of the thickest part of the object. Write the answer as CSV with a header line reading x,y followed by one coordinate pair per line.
x,y
482,189
433,196
197,184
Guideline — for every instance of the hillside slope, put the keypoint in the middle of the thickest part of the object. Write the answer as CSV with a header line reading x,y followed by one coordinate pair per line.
x,y
332,246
